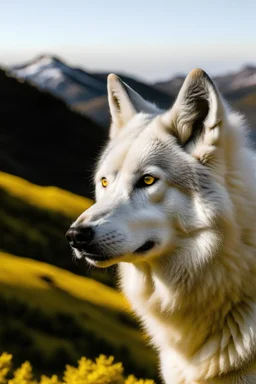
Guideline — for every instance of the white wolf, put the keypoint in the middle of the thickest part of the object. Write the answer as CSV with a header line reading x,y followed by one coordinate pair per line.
x,y
176,208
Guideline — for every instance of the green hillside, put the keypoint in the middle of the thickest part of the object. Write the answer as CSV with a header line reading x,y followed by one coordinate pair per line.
x,y
34,220
55,317
50,198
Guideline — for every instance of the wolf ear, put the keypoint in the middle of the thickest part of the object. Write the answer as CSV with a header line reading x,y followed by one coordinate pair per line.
x,y
197,114
124,103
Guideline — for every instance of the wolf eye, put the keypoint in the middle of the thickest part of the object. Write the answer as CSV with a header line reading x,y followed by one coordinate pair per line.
x,y
146,181
104,182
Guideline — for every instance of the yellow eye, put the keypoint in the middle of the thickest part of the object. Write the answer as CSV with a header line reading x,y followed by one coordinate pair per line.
x,y
148,179
104,182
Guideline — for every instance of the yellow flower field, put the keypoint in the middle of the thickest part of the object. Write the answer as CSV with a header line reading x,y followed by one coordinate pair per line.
x,y
101,371
51,198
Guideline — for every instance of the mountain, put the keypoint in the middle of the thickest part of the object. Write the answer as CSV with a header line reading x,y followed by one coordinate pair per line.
x,y
98,108
239,88
86,92
83,91
45,142
234,81
227,83
52,74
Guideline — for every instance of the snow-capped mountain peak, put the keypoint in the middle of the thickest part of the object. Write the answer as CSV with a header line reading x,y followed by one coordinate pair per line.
x,y
50,73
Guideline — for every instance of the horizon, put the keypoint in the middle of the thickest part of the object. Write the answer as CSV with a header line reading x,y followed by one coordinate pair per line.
x,y
124,73
151,42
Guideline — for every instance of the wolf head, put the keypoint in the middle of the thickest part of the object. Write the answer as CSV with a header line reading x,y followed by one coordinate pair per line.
x,y
160,184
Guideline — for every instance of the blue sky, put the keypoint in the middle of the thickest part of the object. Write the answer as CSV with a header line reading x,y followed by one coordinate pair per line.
x,y
149,39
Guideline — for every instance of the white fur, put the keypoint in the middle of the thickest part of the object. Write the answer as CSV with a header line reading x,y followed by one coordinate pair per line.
x,y
195,291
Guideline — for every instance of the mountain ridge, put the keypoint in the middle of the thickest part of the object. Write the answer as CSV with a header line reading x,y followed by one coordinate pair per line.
x,y
86,92
226,82
78,87
61,141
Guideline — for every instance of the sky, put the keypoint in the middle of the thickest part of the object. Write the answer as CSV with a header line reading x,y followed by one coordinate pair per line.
x,y
152,40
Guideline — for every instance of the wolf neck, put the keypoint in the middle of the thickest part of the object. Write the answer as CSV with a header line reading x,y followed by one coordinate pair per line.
x,y
197,317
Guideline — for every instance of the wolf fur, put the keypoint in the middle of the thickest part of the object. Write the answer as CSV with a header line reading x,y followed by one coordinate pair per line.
x,y
195,290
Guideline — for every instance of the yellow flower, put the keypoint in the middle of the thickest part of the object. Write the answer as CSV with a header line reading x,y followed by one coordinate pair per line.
x,y
132,380
23,375
5,366
50,380
101,371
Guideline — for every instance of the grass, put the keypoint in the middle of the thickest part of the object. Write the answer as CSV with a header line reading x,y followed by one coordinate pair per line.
x,y
27,276
37,233
95,307
51,198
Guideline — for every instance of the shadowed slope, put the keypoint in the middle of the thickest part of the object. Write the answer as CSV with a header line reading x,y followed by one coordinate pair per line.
x,y
45,142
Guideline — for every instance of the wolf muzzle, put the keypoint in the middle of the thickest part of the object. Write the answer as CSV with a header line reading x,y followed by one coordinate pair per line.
x,y
80,237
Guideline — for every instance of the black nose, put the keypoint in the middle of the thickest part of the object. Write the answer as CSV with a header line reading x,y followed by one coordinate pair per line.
x,y
79,236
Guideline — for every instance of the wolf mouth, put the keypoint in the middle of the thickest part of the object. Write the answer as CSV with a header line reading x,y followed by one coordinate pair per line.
x,y
147,246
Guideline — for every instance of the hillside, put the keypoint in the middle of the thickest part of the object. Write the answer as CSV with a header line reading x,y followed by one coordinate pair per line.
x,y
43,141
57,317
50,198
33,223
